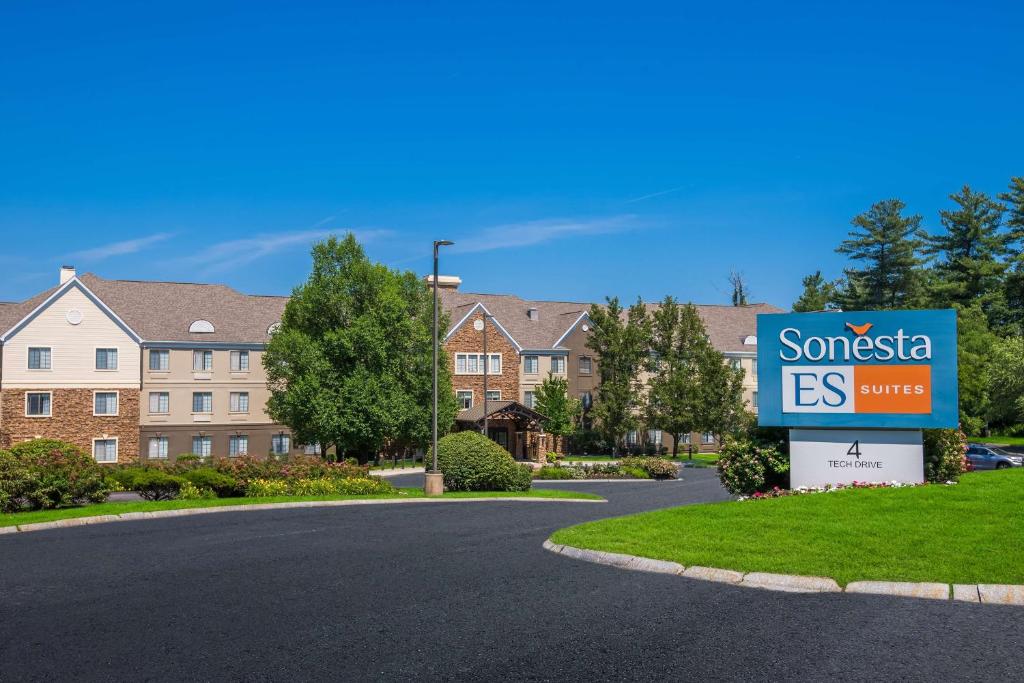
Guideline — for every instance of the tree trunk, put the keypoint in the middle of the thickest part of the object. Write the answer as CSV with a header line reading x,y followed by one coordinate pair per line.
x,y
675,445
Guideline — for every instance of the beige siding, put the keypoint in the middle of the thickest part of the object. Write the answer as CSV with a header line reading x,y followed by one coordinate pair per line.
x,y
72,348
180,382
746,363
530,381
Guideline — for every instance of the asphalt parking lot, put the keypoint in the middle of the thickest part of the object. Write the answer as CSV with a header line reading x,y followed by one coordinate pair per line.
x,y
445,591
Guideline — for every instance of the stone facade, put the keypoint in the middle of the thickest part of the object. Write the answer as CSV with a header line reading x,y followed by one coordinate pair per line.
x,y
72,420
467,339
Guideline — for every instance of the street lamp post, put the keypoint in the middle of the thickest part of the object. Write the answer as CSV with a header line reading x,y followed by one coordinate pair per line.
x,y
434,480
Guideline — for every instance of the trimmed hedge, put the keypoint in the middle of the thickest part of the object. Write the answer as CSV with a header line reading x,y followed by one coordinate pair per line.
x,y
47,473
472,462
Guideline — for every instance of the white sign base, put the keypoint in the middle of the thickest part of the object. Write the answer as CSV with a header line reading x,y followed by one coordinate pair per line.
x,y
843,456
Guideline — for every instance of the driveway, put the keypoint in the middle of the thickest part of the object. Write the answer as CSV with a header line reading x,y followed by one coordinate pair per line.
x,y
450,591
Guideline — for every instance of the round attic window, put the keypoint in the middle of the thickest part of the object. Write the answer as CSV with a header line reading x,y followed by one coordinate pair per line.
x,y
750,340
478,325
201,327
585,327
73,316
273,328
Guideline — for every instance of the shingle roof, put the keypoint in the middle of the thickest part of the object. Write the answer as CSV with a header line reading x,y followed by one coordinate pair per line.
x,y
163,311
727,326
555,317
11,313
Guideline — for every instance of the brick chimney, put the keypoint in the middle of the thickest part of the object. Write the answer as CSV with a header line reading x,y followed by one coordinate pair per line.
x,y
66,273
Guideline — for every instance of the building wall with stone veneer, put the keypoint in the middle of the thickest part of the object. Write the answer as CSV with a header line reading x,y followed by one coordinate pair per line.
x,y
468,340
72,420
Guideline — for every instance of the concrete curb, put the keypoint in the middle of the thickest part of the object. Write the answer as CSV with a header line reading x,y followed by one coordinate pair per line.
x,y
990,594
255,507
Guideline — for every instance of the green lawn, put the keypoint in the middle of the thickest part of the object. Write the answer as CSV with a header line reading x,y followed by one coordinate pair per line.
x,y
968,533
13,519
998,439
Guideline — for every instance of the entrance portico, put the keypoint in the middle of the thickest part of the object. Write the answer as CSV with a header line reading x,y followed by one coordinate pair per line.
x,y
510,424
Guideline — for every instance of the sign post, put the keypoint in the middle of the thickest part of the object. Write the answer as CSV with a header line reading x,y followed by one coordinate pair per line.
x,y
856,388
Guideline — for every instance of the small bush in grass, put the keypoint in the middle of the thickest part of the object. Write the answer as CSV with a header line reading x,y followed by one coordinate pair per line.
x,y
555,473
746,466
655,468
46,473
472,462
313,487
190,491
368,486
945,455
152,483
224,485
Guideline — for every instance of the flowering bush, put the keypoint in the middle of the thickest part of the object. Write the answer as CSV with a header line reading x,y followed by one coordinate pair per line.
x,y
656,468
776,492
597,470
945,454
266,488
246,468
46,473
746,467
190,491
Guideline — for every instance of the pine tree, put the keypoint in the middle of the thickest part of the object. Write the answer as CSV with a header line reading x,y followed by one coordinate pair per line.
x,y
971,254
1014,287
818,295
887,243
620,340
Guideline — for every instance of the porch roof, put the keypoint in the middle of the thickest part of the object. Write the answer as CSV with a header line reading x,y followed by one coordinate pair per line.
x,y
500,409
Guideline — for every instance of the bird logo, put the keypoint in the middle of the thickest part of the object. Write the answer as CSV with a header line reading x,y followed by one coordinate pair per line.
x,y
860,330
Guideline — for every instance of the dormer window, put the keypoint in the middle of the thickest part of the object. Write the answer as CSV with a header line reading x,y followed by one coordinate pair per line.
x,y
201,327
533,314
750,340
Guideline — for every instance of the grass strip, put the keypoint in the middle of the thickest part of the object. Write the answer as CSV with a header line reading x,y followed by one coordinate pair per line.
x,y
967,533
117,508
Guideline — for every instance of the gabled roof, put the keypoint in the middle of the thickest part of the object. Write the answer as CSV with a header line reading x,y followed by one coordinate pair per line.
x,y
513,409
164,311
554,317
728,326
23,314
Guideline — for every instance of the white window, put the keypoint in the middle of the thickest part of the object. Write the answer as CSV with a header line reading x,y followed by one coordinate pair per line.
x,y
736,363
104,403
39,358
239,361
632,437
707,438
753,399
106,359
280,444
654,436
239,401
558,365
464,398
157,447
238,444
493,395
202,445
585,365
753,368
202,402
160,360
202,361
473,364
529,399
686,439
159,403
38,404
104,450
311,449
531,365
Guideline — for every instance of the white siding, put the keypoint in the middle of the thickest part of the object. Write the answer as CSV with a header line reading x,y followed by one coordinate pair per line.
x,y
73,349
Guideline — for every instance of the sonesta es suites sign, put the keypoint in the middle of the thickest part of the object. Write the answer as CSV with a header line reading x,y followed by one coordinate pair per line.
x,y
885,369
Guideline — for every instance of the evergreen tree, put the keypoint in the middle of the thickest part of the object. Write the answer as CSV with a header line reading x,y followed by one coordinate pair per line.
x,y
971,254
1006,382
350,366
620,340
818,295
561,411
974,349
887,243
1014,287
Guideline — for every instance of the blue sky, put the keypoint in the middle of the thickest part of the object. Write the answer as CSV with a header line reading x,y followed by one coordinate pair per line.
x,y
572,150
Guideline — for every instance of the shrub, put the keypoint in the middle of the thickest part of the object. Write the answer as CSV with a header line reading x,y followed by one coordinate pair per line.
x,y
152,483
190,491
945,455
266,488
188,460
552,473
46,473
746,467
313,487
553,457
628,472
223,485
655,468
367,486
472,462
